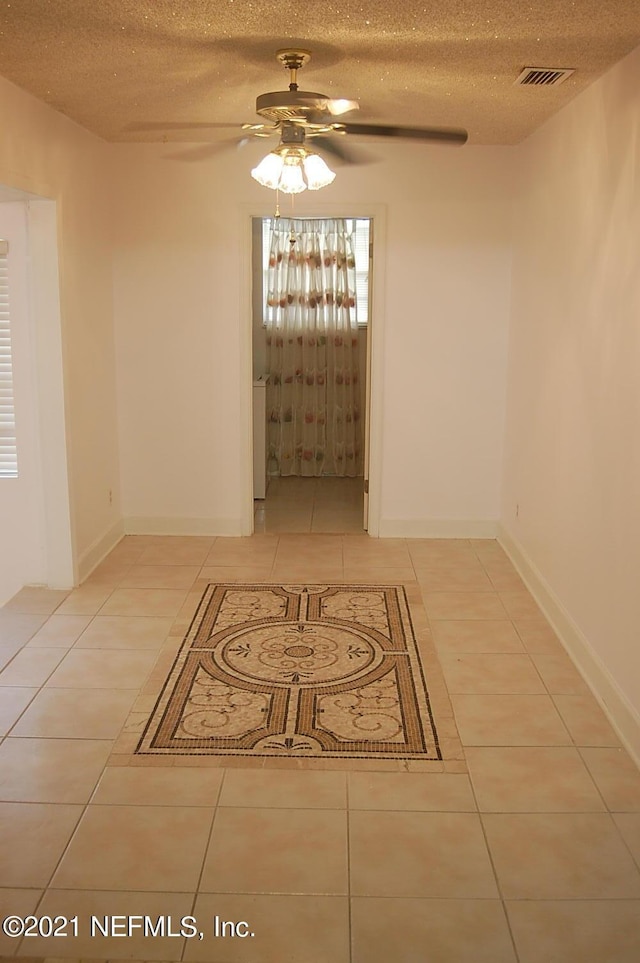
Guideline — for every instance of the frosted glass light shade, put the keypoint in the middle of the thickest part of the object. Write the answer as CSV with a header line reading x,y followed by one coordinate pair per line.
x,y
292,170
291,179
317,174
268,171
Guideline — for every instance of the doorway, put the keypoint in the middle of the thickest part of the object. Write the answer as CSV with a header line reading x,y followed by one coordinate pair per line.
x,y
303,498
34,492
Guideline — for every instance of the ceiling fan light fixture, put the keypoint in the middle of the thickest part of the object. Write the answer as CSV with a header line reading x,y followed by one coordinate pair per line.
x,y
268,171
291,178
317,173
293,170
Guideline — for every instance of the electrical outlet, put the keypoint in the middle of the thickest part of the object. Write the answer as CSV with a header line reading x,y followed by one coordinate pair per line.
x,y
517,510
110,496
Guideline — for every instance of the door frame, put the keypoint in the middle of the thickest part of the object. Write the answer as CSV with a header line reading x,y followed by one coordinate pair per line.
x,y
43,245
314,207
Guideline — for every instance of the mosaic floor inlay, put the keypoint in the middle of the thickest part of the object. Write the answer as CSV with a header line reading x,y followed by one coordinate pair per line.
x,y
315,671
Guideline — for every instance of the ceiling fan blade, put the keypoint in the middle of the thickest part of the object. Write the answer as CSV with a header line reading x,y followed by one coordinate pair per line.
x,y
442,135
338,107
207,150
337,148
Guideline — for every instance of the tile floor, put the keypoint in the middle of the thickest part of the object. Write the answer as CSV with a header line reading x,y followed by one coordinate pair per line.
x,y
324,504
530,856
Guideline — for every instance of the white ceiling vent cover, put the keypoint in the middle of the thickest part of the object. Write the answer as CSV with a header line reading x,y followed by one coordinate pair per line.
x,y
542,76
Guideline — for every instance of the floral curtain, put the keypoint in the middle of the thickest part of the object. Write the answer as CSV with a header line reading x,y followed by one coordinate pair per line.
x,y
313,392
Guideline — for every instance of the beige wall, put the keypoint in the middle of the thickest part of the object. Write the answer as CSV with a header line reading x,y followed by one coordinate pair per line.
x,y
572,460
183,238
46,154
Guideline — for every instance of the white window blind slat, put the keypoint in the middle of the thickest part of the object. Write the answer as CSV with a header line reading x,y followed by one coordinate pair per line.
x,y
8,449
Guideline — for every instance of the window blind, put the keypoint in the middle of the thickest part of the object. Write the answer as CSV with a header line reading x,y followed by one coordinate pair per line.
x,y
8,453
360,228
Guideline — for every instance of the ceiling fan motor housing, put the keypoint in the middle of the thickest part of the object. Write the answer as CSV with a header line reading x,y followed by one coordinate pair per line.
x,y
294,105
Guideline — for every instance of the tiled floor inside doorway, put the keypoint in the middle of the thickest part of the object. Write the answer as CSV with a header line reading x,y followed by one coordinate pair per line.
x,y
527,852
324,505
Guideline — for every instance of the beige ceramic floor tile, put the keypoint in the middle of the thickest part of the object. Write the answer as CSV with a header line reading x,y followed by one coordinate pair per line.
x,y
76,713
503,576
276,788
132,601
559,674
288,520
453,860
128,549
463,605
470,635
491,673
433,930
585,720
306,571
380,575
150,848
236,573
177,550
160,576
616,776
454,580
509,720
31,667
109,573
123,907
584,931
538,636
125,632
17,628
337,524
520,604
442,553
103,669
243,551
629,827
309,548
36,601
372,552
13,702
7,653
488,548
133,786
86,600
401,791
532,779
294,851
15,902
560,856
60,631
287,929
32,839
50,770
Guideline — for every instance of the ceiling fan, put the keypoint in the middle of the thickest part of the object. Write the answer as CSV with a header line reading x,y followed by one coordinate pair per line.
x,y
296,116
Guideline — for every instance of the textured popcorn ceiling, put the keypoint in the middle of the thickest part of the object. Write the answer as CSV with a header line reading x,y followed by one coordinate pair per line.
x,y
111,63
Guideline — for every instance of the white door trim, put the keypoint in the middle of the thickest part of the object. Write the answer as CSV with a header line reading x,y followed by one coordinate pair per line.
x,y
47,365
314,208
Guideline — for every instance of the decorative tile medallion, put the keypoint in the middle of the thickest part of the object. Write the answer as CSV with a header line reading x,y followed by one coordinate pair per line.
x,y
320,671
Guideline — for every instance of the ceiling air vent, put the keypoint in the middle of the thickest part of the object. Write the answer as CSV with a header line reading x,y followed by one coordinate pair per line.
x,y
542,76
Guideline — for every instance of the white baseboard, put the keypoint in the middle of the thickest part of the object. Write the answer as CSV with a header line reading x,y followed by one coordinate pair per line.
x,y
622,715
93,555
167,525
438,528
